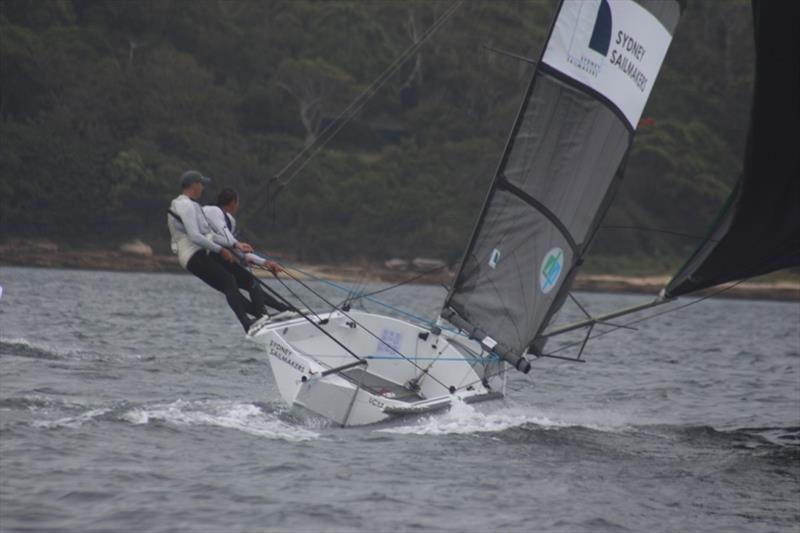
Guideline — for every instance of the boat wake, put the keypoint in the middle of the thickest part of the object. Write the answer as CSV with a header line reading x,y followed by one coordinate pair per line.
x,y
23,348
745,438
245,417
463,418
588,428
73,422
20,347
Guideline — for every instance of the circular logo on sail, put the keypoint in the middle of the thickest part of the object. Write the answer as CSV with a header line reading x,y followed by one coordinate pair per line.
x,y
550,271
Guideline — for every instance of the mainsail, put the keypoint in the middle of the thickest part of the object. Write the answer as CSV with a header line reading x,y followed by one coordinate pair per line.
x,y
559,170
759,230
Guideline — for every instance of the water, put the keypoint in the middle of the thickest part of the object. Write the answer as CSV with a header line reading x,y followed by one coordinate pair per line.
x,y
131,402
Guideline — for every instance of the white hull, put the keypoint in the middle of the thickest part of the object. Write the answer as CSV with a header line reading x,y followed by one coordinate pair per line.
x,y
388,384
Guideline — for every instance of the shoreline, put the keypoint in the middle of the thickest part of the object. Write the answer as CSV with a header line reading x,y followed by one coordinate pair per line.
x,y
50,256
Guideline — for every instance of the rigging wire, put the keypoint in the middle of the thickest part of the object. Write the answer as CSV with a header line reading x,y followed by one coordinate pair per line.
x,y
355,290
355,106
350,111
657,230
710,294
501,368
628,325
490,359
396,285
415,318
294,294
333,306
304,315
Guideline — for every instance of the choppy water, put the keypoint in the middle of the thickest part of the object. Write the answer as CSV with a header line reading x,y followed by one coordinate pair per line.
x,y
131,402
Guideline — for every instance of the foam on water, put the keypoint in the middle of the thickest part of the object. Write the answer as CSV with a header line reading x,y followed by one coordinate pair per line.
x,y
463,418
71,421
17,344
22,347
644,439
38,403
245,417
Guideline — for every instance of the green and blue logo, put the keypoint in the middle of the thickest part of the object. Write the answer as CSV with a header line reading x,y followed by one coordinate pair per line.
x,y
550,271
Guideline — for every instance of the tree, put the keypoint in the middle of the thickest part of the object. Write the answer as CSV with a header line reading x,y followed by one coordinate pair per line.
x,y
318,87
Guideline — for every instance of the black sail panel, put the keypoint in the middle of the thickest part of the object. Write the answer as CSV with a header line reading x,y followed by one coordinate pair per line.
x,y
577,143
559,170
501,290
759,230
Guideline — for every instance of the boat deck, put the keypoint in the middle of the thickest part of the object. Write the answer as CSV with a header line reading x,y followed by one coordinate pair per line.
x,y
380,386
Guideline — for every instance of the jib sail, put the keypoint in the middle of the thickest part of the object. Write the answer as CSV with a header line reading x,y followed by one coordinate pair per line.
x,y
759,229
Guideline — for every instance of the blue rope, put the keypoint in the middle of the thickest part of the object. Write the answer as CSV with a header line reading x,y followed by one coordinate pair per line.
x,y
470,360
491,358
342,288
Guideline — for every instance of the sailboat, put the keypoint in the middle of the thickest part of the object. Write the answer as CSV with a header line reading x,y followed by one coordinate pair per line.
x,y
555,181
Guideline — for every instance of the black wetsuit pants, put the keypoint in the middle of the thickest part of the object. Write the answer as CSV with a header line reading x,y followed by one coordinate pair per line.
x,y
228,278
204,266
248,282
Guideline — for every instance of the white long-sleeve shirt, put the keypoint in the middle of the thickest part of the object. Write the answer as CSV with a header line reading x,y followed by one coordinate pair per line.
x,y
192,232
216,218
219,220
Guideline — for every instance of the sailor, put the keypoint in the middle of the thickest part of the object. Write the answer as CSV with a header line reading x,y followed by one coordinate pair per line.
x,y
221,221
199,254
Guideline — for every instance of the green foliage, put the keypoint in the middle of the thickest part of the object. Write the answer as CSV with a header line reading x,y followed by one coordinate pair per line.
x,y
104,103
677,179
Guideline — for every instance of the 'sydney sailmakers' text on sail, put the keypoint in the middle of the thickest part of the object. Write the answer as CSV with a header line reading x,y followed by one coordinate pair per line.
x,y
626,56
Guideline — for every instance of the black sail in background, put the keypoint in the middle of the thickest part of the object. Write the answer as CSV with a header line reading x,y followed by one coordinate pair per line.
x,y
559,170
759,231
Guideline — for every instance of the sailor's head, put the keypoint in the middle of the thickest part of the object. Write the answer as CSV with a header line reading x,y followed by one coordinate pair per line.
x,y
228,200
193,183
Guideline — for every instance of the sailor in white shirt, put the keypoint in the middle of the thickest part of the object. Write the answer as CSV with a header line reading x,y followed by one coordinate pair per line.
x,y
220,220
199,254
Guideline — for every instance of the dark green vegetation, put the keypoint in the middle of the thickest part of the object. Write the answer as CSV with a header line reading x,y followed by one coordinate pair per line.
x,y
105,102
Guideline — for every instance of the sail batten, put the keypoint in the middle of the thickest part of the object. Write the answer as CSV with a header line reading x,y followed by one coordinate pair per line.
x,y
505,185
559,170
